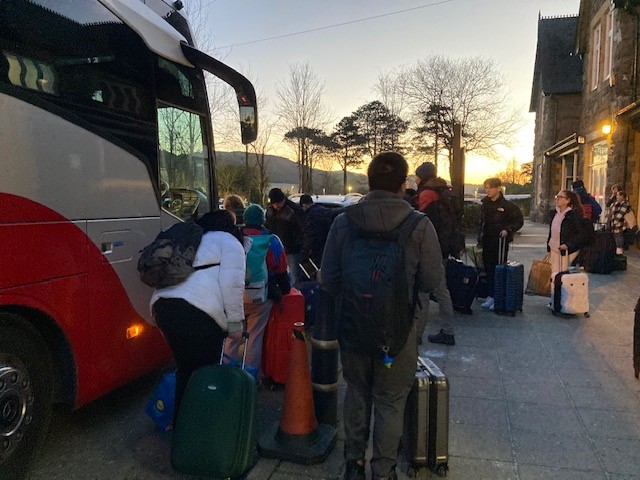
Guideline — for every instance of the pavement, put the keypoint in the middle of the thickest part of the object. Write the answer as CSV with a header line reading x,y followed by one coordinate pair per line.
x,y
533,396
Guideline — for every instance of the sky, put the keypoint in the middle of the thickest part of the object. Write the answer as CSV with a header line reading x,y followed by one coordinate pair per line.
x,y
349,58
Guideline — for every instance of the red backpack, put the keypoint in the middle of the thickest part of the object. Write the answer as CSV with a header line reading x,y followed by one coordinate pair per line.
x,y
587,208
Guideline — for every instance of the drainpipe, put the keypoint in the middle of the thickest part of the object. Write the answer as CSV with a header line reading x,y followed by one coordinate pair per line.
x,y
635,56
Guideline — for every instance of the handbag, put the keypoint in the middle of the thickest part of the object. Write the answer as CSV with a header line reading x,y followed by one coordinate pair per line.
x,y
540,277
161,405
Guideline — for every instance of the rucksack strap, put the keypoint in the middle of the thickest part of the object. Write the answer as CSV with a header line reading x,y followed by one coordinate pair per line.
x,y
407,227
209,265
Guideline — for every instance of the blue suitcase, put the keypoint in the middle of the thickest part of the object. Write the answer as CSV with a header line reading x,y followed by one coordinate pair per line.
x,y
309,289
462,281
508,287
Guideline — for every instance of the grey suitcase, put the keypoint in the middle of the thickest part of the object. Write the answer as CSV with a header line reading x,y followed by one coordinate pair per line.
x,y
426,420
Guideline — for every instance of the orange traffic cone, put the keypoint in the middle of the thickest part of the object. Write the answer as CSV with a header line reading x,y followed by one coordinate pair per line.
x,y
298,437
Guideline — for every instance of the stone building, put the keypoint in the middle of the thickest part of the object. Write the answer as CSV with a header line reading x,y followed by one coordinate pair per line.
x,y
556,98
604,148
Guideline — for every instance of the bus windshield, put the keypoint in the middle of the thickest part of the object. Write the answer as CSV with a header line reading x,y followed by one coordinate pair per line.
x,y
183,158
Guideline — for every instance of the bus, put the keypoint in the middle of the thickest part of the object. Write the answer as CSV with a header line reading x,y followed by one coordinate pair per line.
x,y
105,140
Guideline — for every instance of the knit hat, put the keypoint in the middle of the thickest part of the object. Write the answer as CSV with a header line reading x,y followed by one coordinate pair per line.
x,y
276,195
426,171
577,184
306,199
254,215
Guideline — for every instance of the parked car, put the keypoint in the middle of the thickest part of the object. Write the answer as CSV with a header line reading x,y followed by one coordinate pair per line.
x,y
331,201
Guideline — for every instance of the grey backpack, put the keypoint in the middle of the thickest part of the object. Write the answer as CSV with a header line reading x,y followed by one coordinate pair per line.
x,y
168,260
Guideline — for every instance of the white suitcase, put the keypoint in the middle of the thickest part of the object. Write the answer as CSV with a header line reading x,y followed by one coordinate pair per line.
x,y
570,292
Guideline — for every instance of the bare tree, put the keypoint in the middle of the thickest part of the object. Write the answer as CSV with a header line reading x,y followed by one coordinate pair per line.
x,y
473,92
263,144
390,90
300,109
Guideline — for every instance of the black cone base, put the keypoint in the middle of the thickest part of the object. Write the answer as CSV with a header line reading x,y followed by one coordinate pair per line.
x,y
305,449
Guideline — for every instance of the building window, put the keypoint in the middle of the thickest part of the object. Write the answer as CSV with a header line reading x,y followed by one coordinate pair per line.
x,y
598,172
569,167
608,45
595,57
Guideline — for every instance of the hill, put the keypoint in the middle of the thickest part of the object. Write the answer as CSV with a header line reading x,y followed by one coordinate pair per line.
x,y
282,171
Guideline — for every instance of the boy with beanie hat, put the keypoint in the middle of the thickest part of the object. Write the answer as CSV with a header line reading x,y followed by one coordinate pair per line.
x,y
286,220
266,265
426,171
254,216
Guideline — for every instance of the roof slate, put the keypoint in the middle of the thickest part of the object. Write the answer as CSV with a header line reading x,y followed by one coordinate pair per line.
x,y
557,70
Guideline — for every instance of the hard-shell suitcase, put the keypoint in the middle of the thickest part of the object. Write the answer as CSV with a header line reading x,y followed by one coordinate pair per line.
x,y
598,256
508,286
309,289
462,281
426,420
570,291
214,434
636,340
277,338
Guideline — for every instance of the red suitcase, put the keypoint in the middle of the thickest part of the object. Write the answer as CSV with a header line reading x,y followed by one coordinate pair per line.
x,y
276,346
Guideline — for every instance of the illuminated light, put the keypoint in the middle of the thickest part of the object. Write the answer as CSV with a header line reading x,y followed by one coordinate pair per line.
x,y
606,129
134,331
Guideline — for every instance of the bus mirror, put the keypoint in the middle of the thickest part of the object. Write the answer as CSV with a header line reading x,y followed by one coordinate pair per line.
x,y
248,125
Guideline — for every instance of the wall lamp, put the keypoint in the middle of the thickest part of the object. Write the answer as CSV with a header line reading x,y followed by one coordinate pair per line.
x,y
605,128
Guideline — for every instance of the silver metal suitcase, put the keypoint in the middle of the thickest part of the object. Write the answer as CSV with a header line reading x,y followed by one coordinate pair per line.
x,y
426,420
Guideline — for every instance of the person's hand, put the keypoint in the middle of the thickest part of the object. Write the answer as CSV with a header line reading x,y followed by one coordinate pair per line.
x,y
504,233
563,247
237,335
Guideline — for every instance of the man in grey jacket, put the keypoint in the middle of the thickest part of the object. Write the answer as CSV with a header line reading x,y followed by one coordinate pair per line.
x,y
375,380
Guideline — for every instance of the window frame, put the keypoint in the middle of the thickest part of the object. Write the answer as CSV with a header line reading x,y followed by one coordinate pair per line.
x,y
608,45
595,57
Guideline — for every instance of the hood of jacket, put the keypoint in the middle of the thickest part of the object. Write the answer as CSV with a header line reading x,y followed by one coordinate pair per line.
x,y
379,211
436,183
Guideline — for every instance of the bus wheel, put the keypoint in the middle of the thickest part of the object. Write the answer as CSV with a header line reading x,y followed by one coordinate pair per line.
x,y
26,393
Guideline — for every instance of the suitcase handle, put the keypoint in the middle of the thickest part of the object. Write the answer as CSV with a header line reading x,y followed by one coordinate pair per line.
x,y
304,270
502,249
245,335
564,259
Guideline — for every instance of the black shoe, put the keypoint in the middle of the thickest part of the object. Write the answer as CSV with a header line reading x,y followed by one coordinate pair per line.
x,y
354,470
443,338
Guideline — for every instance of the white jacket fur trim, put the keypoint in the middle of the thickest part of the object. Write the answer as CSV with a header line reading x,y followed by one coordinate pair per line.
x,y
219,290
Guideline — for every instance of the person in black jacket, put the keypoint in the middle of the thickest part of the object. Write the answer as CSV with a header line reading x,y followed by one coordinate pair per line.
x,y
498,218
317,223
567,230
286,220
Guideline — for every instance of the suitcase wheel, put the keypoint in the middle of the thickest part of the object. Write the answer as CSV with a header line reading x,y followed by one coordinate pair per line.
x,y
441,470
637,373
413,472
587,314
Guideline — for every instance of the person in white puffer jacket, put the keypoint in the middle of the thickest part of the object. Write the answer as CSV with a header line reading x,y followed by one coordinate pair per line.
x,y
196,315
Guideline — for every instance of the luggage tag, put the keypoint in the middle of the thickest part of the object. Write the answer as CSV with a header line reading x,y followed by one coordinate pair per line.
x,y
387,359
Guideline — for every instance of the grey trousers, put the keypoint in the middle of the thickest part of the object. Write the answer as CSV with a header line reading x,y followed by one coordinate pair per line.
x,y
257,315
371,385
422,316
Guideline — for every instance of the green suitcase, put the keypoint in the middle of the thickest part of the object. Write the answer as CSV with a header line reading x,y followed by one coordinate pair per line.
x,y
214,434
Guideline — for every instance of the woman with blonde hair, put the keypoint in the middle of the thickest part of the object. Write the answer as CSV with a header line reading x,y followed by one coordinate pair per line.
x,y
567,231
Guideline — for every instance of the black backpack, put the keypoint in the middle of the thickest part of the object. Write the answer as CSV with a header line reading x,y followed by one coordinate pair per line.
x,y
168,260
444,215
375,306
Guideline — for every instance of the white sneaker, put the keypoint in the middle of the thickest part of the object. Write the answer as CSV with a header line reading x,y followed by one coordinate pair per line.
x,y
488,303
492,307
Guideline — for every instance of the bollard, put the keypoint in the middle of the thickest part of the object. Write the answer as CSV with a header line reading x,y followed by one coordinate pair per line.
x,y
324,360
